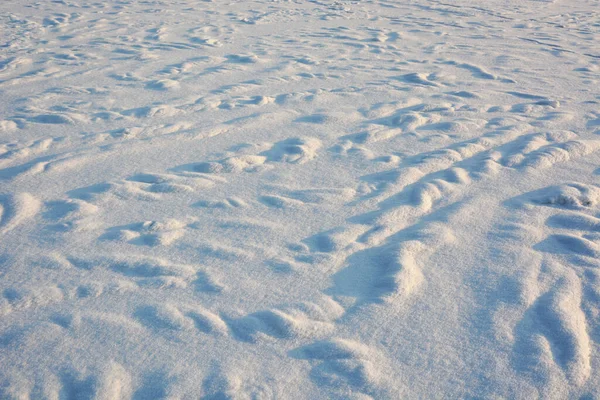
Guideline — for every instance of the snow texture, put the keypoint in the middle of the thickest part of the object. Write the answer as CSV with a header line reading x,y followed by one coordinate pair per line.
x,y
299,199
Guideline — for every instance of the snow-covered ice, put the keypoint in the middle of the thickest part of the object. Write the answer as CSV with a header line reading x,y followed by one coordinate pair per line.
x,y
301,199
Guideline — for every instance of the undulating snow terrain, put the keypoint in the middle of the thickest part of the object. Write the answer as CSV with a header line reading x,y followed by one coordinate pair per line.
x,y
299,199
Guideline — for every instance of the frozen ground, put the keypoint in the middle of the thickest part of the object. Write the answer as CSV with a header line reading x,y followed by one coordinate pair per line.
x,y
299,199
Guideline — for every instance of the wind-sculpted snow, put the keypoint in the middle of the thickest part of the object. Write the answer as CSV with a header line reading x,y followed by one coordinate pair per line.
x,y
299,199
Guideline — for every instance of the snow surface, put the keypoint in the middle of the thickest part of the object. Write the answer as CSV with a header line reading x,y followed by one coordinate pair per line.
x,y
299,199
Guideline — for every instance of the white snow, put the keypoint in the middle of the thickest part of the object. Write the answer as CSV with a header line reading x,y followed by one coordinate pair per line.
x,y
299,199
